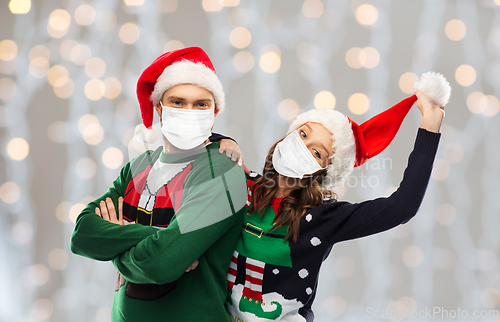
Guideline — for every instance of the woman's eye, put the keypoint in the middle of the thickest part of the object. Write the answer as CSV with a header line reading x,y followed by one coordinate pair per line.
x,y
303,134
318,155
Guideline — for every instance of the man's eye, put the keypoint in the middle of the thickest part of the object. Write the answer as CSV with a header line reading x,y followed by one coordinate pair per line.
x,y
303,134
203,104
176,102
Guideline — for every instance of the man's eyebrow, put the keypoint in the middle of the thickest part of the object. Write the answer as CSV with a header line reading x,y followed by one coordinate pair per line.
x,y
204,100
175,98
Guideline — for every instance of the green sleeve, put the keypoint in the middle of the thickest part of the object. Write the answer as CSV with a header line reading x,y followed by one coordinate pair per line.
x,y
213,201
98,239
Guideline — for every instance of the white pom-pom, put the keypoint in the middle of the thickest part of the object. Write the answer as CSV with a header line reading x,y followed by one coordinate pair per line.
x,y
435,86
145,135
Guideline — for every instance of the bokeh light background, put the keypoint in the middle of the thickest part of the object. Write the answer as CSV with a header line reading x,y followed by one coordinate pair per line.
x,y
68,108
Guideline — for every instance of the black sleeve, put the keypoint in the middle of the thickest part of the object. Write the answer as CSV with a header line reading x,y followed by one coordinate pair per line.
x,y
344,221
306,311
217,137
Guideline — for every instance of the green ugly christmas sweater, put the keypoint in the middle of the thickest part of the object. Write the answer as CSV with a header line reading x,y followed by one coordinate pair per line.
x,y
178,208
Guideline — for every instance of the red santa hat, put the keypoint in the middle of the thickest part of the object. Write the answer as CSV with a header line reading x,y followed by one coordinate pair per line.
x,y
354,144
184,66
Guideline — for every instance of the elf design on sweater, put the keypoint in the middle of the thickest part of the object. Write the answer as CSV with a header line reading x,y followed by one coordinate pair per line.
x,y
272,279
159,188
261,254
195,203
162,186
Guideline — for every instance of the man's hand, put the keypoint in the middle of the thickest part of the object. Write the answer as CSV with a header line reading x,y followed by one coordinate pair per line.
x,y
232,150
107,211
193,266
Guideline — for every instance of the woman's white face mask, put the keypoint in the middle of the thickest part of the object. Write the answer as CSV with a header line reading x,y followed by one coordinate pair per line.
x,y
292,158
186,129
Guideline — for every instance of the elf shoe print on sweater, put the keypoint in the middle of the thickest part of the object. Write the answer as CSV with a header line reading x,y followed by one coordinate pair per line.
x,y
251,299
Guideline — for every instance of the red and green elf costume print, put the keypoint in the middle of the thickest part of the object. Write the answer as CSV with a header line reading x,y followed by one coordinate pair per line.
x,y
259,255
178,208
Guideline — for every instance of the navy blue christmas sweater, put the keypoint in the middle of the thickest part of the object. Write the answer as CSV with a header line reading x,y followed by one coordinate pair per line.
x,y
272,279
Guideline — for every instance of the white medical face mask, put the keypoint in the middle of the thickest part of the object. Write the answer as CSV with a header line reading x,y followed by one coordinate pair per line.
x,y
186,129
292,158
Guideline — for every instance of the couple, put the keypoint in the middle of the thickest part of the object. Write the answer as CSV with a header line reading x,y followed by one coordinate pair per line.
x,y
194,239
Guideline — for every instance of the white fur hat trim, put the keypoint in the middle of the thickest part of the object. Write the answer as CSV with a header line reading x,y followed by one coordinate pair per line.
x,y
187,72
343,143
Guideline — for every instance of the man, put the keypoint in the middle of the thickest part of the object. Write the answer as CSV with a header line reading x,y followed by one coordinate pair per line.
x,y
194,194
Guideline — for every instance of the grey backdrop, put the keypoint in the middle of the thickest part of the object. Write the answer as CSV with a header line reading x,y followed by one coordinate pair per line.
x,y
446,258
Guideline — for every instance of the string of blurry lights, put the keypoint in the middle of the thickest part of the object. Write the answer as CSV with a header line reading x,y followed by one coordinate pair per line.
x,y
91,54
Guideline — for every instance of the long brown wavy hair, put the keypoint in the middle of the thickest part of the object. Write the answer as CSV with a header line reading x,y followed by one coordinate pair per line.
x,y
296,201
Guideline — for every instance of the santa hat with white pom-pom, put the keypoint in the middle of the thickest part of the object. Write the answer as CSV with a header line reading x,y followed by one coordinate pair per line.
x,y
354,144
184,66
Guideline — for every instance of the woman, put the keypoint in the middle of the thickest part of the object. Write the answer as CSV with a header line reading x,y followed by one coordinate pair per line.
x,y
292,221
290,227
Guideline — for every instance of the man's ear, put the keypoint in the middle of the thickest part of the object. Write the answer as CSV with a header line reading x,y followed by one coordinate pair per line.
x,y
216,111
158,110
